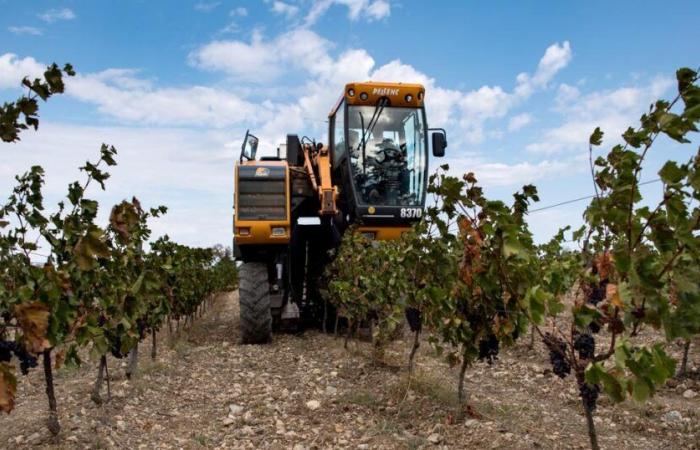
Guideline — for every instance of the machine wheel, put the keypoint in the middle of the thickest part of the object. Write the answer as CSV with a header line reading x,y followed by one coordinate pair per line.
x,y
254,300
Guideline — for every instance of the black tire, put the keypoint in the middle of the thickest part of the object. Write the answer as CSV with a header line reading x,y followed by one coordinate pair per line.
x,y
254,300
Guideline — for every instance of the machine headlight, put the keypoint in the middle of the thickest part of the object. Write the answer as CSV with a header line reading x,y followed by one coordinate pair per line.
x,y
369,235
244,231
409,98
279,231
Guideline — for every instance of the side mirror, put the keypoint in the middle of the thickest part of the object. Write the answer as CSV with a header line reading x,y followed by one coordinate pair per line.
x,y
439,141
249,147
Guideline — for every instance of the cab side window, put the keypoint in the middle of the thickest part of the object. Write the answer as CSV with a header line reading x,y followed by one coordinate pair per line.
x,y
340,146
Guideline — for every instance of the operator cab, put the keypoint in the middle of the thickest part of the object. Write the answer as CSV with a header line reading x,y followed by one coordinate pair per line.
x,y
379,145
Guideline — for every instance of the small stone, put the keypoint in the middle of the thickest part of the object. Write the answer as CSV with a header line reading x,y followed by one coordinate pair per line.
x,y
19,439
228,421
34,437
689,393
470,422
434,438
234,410
299,447
330,390
362,447
121,425
313,405
72,438
672,416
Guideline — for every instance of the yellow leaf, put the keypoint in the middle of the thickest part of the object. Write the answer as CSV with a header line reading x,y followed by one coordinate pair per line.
x,y
33,319
60,358
8,388
612,295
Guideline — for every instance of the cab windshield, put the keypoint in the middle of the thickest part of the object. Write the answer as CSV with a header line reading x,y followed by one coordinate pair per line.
x,y
388,165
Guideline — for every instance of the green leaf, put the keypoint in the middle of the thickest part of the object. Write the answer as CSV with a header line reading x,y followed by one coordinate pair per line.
x,y
670,173
596,374
596,137
641,390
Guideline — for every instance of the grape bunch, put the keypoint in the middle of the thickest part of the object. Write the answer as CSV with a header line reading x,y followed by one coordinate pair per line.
x,y
589,395
488,349
26,360
597,293
115,345
584,343
6,348
414,319
557,355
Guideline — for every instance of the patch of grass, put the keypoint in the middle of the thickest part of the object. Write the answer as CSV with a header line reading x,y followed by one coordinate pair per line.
x,y
181,345
416,442
435,389
388,427
67,371
152,367
200,439
362,398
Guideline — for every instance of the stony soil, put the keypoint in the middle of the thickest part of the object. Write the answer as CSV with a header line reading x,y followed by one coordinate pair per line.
x,y
307,391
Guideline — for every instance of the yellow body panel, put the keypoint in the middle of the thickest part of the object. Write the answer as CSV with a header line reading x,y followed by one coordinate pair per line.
x,y
260,231
385,233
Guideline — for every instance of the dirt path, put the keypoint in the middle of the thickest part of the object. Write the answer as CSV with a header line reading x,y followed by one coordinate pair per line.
x,y
206,390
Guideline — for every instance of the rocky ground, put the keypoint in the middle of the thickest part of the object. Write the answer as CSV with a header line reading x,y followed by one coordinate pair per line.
x,y
304,392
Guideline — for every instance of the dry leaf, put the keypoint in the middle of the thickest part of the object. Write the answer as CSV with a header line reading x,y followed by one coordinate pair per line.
x,y
603,263
8,388
33,318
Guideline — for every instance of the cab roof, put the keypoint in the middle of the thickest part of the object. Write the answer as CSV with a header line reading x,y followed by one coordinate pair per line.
x,y
369,93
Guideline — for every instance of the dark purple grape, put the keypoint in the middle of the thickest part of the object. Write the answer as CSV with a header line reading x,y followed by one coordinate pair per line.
x,y
584,343
557,355
6,349
414,319
26,360
488,349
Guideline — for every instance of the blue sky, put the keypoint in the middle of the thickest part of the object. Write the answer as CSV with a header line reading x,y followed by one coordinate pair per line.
x,y
173,85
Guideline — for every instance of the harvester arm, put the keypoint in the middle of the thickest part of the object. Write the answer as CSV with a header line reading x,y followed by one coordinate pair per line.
x,y
318,161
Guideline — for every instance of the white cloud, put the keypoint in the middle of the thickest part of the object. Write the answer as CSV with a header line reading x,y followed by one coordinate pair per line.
x,y
556,57
238,12
519,121
285,9
493,174
612,110
566,95
377,10
33,31
260,60
54,15
117,94
263,60
206,6
13,69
